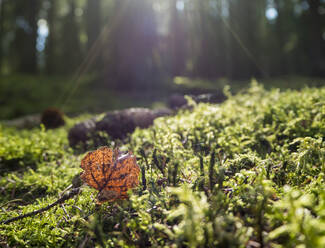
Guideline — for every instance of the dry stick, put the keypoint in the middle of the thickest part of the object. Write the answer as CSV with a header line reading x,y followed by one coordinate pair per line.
x,y
211,171
156,162
12,201
144,181
65,197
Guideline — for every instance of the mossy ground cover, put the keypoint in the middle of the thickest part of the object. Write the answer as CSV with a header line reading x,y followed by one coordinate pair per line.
x,y
248,172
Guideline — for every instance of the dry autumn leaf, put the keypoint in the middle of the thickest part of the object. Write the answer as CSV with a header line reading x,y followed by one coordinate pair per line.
x,y
110,172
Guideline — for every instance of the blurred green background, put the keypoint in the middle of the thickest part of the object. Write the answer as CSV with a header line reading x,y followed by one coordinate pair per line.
x,y
96,55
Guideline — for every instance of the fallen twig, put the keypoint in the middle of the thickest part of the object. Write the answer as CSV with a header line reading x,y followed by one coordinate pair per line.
x,y
65,197
12,201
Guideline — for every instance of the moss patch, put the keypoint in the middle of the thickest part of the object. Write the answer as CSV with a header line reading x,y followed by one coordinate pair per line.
x,y
248,171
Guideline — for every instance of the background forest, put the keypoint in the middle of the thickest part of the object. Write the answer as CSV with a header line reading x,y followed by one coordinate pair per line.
x,y
147,45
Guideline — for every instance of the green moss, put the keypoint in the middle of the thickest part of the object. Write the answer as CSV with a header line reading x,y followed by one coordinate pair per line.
x,y
249,170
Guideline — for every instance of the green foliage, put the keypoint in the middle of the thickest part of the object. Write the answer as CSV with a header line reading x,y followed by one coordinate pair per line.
x,y
26,94
248,171
211,227
302,218
22,94
187,84
28,148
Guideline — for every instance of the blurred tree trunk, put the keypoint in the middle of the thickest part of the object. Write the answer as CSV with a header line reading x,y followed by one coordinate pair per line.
x,y
205,64
26,35
135,40
93,28
316,42
30,61
245,22
239,66
281,68
110,54
177,41
93,19
206,42
2,12
223,7
51,58
71,56
222,39
261,39
285,30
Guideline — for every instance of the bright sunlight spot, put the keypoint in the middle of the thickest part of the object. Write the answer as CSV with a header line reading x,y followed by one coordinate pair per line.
x,y
180,5
42,32
271,13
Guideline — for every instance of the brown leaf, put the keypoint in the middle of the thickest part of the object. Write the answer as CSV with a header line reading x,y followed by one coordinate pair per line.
x,y
110,172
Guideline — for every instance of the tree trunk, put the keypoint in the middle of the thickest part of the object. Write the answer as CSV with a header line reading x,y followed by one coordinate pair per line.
x,y
26,36
71,55
2,11
176,41
93,28
316,42
51,40
93,21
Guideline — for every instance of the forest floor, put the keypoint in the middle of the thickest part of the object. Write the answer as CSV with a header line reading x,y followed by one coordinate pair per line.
x,y
23,95
249,172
